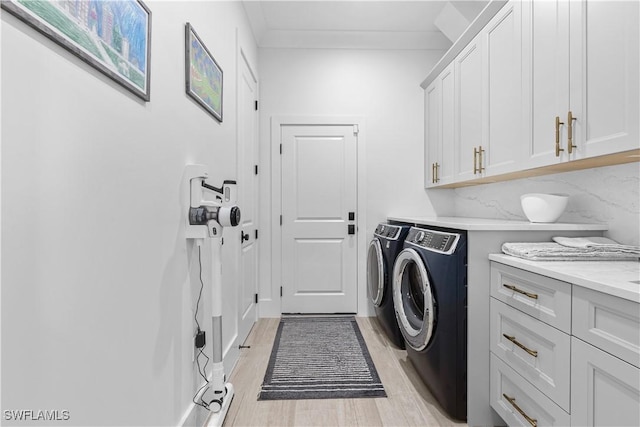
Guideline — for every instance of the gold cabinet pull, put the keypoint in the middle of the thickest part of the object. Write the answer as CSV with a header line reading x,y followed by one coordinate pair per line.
x,y
437,172
513,339
512,401
520,291
433,173
475,160
480,153
558,123
570,120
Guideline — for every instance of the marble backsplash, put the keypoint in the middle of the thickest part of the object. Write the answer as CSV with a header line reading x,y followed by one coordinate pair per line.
x,y
605,195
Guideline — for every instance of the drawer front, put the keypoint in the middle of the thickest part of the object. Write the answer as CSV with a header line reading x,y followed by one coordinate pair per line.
x,y
518,402
605,391
541,297
609,323
537,351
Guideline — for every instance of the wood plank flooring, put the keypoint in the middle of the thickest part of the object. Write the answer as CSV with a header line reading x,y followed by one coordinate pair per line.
x,y
409,403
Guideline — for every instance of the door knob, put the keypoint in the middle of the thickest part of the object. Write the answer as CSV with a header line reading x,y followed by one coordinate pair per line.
x,y
243,237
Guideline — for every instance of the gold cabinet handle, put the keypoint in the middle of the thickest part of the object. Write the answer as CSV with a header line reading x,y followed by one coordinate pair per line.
x,y
558,149
512,401
480,153
433,173
520,291
570,120
437,172
475,160
513,339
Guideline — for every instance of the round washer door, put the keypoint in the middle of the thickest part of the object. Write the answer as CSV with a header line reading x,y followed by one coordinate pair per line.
x,y
413,299
375,272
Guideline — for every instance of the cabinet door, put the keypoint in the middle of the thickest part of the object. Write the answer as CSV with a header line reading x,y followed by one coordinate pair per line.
x,y
503,90
445,172
432,131
546,73
468,72
604,76
605,391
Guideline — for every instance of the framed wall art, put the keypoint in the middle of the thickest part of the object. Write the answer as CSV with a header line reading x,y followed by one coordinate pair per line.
x,y
203,74
113,36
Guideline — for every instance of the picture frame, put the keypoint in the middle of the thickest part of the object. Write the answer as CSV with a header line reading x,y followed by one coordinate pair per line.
x,y
204,77
113,36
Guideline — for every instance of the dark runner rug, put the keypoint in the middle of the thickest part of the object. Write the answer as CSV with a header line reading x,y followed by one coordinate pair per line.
x,y
320,358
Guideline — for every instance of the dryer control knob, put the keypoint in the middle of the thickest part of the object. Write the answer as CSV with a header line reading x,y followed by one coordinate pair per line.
x,y
419,236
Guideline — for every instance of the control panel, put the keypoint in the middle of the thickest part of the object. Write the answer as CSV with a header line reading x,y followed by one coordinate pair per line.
x,y
387,231
436,241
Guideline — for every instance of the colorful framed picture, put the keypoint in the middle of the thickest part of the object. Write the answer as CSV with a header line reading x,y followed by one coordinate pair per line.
x,y
113,36
203,75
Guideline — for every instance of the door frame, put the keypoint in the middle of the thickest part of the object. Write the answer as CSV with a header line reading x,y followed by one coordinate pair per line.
x,y
272,307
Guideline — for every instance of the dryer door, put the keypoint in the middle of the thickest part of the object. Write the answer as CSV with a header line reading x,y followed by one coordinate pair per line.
x,y
375,272
413,299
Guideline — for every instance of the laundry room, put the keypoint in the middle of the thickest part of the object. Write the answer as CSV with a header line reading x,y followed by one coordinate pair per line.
x,y
201,199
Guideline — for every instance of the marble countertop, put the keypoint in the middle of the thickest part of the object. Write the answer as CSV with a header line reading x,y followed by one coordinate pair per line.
x,y
611,277
487,224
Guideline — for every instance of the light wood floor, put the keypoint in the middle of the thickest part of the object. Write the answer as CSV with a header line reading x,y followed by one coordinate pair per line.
x,y
409,403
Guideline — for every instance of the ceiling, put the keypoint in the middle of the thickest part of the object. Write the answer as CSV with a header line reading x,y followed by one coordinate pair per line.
x,y
391,24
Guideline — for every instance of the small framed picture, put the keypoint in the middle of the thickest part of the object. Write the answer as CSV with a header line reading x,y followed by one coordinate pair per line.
x,y
203,74
113,36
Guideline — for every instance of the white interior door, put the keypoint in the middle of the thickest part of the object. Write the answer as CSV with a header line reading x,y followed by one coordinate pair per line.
x,y
319,189
247,196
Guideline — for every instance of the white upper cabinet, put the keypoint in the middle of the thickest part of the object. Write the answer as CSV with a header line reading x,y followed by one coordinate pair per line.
x,y
469,112
546,76
581,70
544,86
432,97
439,129
603,71
504,133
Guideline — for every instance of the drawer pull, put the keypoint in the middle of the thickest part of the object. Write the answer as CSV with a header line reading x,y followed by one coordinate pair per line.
x,y
512,400
534,353
520,291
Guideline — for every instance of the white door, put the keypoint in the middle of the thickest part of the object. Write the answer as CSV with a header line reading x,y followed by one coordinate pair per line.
x,y
546,67
605,391
319,189
432,131
468,74
247,197
604,44
503,101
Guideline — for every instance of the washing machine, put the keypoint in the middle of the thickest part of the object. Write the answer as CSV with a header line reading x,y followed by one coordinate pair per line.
x,y
429,292
384,247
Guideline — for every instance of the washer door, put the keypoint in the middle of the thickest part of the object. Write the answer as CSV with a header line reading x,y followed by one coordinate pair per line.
x,y
413,299
375,272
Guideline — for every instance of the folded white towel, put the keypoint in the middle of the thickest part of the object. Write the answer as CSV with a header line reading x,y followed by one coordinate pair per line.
x,y
597,243
551,251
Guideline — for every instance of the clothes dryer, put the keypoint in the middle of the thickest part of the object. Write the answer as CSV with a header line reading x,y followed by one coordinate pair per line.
x,y
429,290
387,242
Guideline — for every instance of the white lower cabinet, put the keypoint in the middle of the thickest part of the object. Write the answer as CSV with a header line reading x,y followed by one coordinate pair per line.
x,y
545,371
518,402
605,390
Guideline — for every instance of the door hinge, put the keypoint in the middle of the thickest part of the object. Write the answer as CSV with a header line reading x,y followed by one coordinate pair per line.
x,y
280,219
280,148
356,130
255,169
256,105
256,298
256,234
280,291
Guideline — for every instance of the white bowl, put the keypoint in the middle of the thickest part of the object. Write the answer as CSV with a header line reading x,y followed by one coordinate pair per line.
x,y
540,207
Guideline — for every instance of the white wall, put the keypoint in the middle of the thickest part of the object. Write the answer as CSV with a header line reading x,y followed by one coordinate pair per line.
x,y
98,282
606,195
382,86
